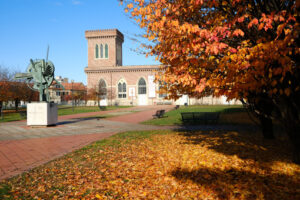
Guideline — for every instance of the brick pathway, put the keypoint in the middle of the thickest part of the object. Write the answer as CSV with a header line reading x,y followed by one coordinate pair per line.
x,y
23,148
140,116
17,156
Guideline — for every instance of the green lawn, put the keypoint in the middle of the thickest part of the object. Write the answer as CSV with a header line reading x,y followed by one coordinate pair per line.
x,y
67,110
62,110
8,117
229,115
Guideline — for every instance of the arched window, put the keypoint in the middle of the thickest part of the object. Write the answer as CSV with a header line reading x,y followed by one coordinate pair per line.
x,y
142,86
106,51
121,89
96,51
102,90
101,50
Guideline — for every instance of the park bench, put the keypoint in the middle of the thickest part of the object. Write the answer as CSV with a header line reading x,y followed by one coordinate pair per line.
x,y
102,108
205,117
159,114
23,113
176,107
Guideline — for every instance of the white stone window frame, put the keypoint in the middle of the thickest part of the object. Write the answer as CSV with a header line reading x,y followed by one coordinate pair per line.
x,y
98,86
99,51
138,85
122,93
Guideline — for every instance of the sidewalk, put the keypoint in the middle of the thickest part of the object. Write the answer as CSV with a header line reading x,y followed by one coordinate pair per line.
x,y
23,148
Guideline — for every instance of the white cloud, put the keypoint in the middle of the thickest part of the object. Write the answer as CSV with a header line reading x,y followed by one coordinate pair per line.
x,y
58,4
76,2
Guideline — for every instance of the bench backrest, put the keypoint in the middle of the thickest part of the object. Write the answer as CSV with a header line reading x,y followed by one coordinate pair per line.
x,y
200,115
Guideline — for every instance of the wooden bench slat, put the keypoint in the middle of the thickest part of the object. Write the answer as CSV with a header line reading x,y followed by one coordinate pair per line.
x,y
159,114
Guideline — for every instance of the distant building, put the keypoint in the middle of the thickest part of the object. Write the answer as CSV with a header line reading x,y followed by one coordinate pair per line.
x,y
70,91
61,80
125,85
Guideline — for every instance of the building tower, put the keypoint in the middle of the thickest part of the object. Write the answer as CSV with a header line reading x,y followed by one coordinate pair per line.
x,y
104,48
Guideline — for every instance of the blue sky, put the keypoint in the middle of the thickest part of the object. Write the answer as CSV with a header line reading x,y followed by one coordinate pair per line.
x,y
28,26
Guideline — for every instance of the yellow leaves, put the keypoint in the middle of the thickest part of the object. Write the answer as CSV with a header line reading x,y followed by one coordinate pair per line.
x,y
41,188
233,57
157,13
130,6
175,23
279,29
185,165
151,37
211,57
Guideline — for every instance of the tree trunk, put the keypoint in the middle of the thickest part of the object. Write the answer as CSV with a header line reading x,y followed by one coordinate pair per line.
x,y
16,104
1,103
293,131
267,127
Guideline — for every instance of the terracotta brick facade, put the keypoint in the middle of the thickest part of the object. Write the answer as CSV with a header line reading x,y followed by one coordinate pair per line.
x,y
110,70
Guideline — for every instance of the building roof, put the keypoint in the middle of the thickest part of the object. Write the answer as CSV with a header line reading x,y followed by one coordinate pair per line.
x,y
74,86
104,33
68,86
132,68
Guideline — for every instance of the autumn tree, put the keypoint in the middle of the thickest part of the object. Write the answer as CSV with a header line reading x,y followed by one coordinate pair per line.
x,y
246,50
101,92
12,90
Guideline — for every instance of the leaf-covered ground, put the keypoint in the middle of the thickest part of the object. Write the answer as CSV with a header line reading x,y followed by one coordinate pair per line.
x,y
166,165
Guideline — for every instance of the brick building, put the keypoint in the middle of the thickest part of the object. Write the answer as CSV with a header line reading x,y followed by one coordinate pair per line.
x,y
125,85
74,91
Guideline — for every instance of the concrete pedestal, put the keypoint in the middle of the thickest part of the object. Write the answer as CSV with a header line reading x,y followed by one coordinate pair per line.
x,y
41,114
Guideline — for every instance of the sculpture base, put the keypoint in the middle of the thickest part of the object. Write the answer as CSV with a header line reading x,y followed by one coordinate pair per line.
x,y
41,114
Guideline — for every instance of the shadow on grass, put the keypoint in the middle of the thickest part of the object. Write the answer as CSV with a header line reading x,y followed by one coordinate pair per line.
x,y
239,184
244,144
233,110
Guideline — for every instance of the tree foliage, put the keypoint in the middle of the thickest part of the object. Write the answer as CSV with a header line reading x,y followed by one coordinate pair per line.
x,y
12,90
245,50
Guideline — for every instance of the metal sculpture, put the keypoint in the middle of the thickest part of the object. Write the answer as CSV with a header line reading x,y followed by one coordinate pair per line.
x,y
39,76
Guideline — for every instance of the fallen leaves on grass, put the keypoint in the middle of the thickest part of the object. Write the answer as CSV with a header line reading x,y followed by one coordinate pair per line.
x,y
194,165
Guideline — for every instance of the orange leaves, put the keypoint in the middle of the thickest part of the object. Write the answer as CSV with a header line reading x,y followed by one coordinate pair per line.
x,y
232,51
238,32
222,46
198,2
167,165
253,22
279,29
287,91
130,6
241,19
261,26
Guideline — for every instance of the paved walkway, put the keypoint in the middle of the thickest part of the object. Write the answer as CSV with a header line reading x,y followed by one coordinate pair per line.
x,y
23,148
